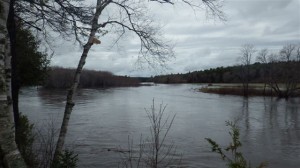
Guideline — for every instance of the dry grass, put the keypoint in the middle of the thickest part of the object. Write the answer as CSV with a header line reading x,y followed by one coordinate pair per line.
x,y
237,89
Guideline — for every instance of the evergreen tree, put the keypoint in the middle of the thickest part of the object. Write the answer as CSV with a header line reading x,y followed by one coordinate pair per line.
x,y
31,67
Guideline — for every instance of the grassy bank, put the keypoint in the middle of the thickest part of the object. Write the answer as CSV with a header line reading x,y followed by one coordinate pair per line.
x,y
255,89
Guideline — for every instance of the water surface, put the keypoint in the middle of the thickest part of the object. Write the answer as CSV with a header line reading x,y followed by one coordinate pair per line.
x,y
103,118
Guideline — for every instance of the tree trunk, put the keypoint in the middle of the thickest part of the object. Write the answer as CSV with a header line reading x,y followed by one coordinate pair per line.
x,y
70,104
11,26
71,92
8,149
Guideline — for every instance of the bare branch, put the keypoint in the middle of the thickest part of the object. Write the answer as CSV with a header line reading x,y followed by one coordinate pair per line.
x,y
262,56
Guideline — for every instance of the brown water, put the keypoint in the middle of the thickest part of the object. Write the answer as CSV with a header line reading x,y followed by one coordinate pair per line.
x,y
102,119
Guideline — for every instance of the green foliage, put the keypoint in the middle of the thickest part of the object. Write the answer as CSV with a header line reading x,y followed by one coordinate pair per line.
x,y
35,158
236,160
32,66
67,159
26,138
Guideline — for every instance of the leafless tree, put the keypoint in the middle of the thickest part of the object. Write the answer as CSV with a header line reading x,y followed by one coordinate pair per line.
x,y
247,52
45,143
263,58
286,52
160,154
298,53
67,17
245,59
282,71
155,151
289,71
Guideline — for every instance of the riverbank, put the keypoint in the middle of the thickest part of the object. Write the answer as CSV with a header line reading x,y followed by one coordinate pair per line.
x,y
255,89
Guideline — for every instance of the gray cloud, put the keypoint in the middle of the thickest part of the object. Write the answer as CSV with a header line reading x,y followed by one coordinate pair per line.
x,y
199,43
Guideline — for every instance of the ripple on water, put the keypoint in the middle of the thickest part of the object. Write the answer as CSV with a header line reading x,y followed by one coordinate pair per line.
x,y
103,119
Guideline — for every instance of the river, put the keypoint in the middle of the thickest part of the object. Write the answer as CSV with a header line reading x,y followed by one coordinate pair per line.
x,y
104,119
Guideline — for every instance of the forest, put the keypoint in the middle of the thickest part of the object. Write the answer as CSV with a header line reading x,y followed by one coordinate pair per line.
x,y
280,72
61,78
259,73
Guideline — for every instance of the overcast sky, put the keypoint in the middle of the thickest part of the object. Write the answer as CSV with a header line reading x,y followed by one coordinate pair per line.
x,y
200,43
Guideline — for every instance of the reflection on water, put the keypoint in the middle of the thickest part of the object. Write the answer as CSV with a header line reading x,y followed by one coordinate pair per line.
x,y
104,118
272,133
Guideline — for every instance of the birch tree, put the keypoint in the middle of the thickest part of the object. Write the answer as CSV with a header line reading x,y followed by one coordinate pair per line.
x,y
8,148
44,16
127,16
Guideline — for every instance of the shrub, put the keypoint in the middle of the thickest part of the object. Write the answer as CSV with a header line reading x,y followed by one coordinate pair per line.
x,y
67,159
154,151
25,137
37,148
236,160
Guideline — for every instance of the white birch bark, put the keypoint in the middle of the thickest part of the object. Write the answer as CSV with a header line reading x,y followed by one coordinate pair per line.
x,y
10,154
71,92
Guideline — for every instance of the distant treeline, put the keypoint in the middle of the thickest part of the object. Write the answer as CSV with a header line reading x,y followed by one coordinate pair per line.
x,y
59,77
234,74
